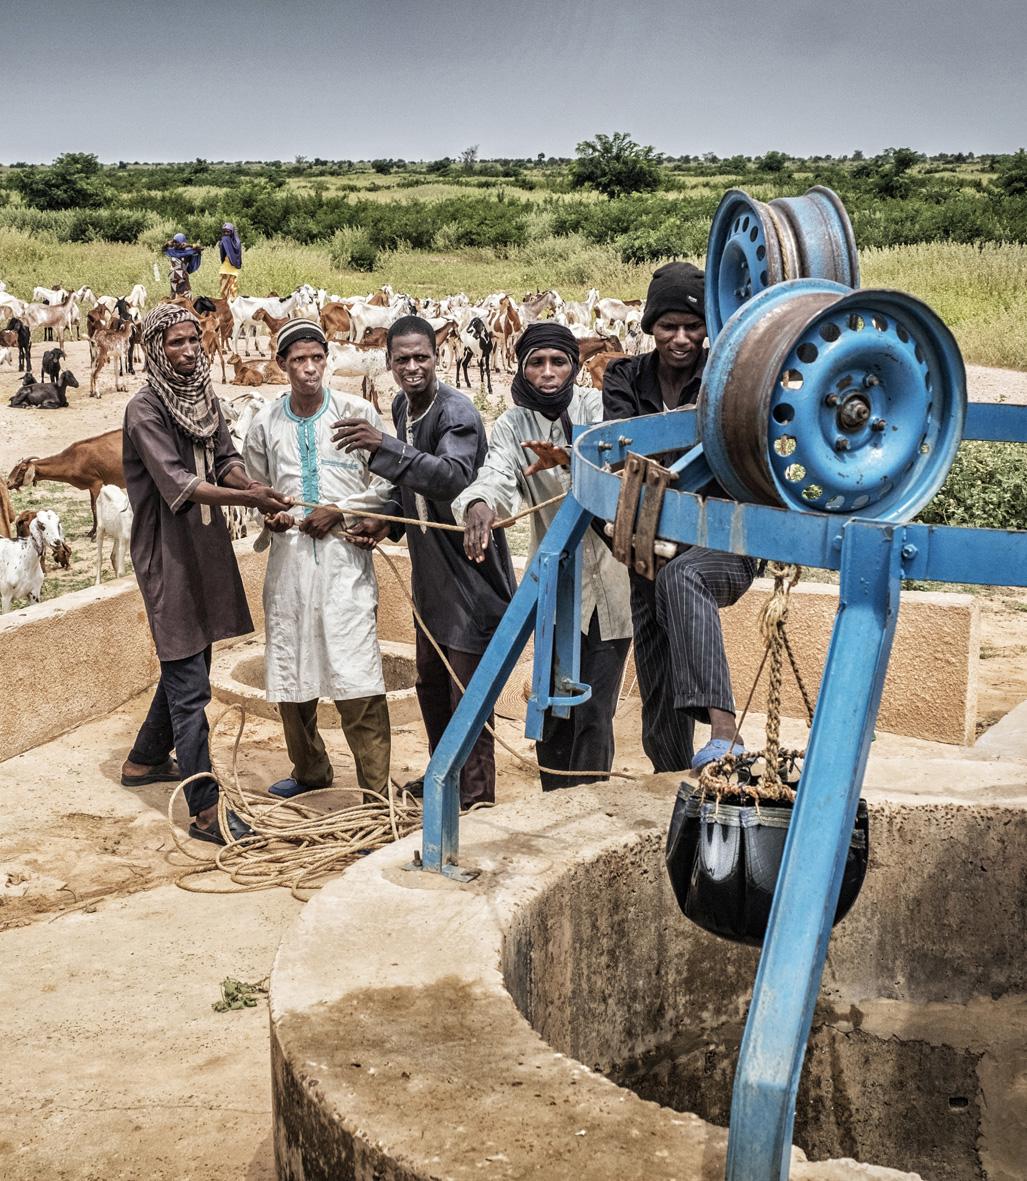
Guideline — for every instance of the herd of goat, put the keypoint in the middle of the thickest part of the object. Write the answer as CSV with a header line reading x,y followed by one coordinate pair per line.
x,y
484,333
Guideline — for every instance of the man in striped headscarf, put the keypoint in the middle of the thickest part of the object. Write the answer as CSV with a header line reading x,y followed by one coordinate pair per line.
x,y
180,468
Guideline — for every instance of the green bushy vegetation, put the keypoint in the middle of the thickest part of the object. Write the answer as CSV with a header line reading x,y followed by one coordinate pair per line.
x,y
986,488
951,229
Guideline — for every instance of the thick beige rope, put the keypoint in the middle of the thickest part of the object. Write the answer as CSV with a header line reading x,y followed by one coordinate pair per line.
x,y
294,845
298,846
722,776
503,524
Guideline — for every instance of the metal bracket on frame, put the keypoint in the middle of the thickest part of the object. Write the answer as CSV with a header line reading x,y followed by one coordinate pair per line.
x,y
634,529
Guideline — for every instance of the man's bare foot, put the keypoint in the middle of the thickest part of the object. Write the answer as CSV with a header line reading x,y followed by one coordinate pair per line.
x,y
722,724
132,769
207,817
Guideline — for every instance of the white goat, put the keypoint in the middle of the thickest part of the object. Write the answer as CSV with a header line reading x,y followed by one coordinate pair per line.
x,y
21,560
136,299
113,520
349,360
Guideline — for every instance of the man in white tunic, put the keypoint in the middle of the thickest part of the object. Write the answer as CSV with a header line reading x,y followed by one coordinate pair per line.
x,y
320,591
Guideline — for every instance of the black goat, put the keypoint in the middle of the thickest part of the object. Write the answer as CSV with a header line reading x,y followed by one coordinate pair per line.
x,y
24,334
51,367
46,395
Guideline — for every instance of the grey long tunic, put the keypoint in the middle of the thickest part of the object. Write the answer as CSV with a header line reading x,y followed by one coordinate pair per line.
x,y
186,570
502,485
461,602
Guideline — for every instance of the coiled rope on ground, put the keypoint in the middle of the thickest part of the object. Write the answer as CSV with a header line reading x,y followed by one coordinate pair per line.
x,y
293,844
299,846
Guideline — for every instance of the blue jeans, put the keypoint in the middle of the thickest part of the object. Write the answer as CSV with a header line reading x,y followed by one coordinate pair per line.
x,y
177,719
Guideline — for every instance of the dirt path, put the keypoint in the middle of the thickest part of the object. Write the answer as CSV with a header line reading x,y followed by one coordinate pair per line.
x,y
116,1067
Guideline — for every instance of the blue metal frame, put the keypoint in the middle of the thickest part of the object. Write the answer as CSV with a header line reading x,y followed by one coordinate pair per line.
x,y
873,557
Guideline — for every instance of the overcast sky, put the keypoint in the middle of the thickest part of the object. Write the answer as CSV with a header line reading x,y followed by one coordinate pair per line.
x,y
418,79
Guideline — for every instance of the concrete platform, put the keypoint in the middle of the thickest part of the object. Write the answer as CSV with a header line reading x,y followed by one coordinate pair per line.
x,y
424,1029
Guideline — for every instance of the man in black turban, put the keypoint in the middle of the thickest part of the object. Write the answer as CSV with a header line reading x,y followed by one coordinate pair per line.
x,y
683,675
547,405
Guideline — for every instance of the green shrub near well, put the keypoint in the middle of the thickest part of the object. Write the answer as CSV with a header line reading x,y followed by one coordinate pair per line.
x,y
986,488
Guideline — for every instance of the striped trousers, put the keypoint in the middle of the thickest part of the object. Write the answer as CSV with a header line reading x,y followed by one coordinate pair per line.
x,y
679,648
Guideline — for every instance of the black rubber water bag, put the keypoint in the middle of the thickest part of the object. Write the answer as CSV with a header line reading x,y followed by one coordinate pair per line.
x,y
723,860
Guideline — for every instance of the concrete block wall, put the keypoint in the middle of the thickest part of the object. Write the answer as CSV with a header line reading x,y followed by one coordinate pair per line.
x,y
79,656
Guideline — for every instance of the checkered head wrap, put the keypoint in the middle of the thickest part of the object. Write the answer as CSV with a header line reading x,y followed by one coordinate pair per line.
x,y
190,400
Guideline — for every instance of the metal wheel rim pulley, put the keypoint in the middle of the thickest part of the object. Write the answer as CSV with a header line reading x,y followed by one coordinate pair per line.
x,y
819,398
753,245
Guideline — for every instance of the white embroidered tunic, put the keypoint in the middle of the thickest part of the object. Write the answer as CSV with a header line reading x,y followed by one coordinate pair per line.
x,y
320,597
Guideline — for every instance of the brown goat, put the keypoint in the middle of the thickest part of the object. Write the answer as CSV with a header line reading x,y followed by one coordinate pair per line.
x,y
87,464
246,372
111,344
6,512
273,372
590,346
335,321
596,366
275,324
210,339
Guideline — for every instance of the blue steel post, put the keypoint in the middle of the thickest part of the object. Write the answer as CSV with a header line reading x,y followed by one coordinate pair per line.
x,y
792,961
567,635
557,663
440,845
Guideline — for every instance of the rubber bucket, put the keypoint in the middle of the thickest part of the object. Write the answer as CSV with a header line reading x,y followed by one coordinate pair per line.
x,y
723,863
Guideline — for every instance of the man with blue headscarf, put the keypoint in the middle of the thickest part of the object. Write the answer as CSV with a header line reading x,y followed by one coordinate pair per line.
x,y
185,259
230,249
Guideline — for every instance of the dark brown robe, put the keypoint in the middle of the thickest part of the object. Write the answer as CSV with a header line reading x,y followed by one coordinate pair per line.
x,y
186,570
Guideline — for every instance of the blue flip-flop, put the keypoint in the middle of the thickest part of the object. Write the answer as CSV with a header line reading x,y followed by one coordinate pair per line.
x,y
716,748
285,789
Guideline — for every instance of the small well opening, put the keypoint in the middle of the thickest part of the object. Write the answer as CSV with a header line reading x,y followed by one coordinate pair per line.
x,y
399,668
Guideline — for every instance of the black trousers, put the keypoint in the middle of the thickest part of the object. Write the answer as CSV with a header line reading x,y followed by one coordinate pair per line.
x,y
178,720
584,741
679,648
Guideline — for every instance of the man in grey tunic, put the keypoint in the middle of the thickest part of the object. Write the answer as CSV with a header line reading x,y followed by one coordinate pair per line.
x,y
439,449
547,404
180,467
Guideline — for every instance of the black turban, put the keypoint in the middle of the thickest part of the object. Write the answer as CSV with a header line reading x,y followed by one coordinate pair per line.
x,y
675,287
547,334
544,334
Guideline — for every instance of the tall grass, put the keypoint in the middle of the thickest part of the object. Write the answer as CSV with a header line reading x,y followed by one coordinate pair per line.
x,y
980,292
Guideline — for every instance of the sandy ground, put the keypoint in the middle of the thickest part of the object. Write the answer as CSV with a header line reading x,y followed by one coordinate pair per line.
x,y
116,1067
